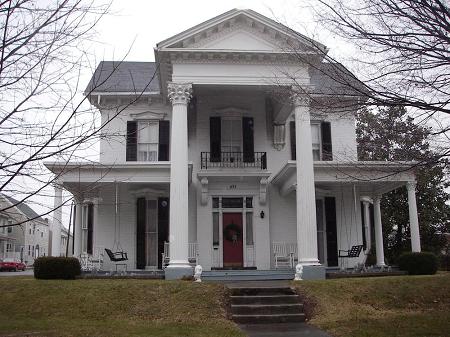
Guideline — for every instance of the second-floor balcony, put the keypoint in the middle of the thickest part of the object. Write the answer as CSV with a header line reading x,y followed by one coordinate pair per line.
x,y
256,160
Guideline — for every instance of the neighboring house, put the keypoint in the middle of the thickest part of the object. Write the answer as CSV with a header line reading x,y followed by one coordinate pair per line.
x,y
215,150
28,240
66,238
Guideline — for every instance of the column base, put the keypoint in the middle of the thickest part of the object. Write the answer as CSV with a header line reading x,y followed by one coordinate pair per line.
x,y
313,272
178,271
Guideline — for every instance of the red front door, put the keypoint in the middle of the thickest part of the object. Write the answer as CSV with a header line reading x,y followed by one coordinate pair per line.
x,y
232,240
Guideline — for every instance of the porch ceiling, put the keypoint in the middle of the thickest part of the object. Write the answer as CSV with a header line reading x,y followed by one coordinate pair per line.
x,y
369,177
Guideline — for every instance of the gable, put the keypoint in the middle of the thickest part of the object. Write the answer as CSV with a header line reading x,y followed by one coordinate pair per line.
x,y
243,30
239,40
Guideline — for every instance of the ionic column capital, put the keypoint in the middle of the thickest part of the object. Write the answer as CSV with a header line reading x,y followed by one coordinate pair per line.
x,y
411,186
179,93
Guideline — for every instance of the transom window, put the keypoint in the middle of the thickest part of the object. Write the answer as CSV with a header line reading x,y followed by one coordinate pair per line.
x,y
147,141
316,141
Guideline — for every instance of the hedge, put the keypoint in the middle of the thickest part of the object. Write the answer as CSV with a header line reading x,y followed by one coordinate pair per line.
x,y
424,263
49,267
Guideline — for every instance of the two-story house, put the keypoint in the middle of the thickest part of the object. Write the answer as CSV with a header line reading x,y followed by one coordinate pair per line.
x,y
27,241
221,152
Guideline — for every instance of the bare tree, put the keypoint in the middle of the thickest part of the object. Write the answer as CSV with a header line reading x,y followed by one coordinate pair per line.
x,y
43,52
403,46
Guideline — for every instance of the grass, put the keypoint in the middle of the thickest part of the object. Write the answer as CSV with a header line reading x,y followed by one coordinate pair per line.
x,y
377,307
112,308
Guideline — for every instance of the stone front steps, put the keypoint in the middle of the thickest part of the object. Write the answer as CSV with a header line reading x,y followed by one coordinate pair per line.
x,y
247,275
256,305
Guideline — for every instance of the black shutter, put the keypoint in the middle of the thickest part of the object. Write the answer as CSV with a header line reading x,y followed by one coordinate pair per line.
x,y
141,206
215,139
330,218
90,229
363,224
131,154
164,136
293,143
248,145
163,227
327,147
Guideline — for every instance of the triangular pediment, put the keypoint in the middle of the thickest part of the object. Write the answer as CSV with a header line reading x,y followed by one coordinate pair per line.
x,y
240,30
237,38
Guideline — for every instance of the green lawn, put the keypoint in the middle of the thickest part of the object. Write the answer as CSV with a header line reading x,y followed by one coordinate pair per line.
x,y
112,308
378,307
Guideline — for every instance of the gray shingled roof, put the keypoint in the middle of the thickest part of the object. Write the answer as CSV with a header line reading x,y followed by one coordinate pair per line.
x,y
335,79
113,76
25,209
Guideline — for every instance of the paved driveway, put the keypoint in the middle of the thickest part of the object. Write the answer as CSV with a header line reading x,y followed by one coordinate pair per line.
x,y
27,272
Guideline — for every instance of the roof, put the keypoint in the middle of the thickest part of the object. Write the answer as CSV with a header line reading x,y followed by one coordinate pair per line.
x,y
124,77
25,209
232,14
335,79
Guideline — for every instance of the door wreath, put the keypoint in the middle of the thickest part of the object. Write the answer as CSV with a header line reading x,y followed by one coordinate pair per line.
x,y
232,232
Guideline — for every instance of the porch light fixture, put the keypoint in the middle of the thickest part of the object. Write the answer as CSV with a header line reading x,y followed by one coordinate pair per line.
x,y
262,214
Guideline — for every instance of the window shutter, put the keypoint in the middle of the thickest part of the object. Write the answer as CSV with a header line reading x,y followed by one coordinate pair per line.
x,y
90,229
131,153
164,138
327,148
330,218
293,143
215,139
248,146
140,233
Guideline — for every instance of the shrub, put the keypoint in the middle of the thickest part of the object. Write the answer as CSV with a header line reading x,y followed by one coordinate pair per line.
x,y
418,263
49,267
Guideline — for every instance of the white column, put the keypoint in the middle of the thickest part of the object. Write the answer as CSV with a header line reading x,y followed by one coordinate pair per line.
x,y
77,229
179,94
306,200
413,219
367,225
378,231
57,221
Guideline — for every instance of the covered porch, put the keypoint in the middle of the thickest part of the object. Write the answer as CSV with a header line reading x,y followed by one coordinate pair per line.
x,y
345,193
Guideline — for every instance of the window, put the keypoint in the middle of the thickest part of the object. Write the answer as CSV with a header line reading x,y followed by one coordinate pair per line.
x,y
321,233
249,202
10,229
231,135
9,247
87,226
232,202
315,136
42,234
29,250
249,229
215,202
148,136
215,229
29,230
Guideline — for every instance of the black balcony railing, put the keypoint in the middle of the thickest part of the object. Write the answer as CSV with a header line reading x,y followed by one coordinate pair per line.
x,y
234,160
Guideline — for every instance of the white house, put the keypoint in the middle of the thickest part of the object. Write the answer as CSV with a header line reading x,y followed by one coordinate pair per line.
x,y
223,149
27,241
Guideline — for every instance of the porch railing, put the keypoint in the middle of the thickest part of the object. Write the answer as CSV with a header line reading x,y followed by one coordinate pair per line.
x,y
285,254
192,253
233,160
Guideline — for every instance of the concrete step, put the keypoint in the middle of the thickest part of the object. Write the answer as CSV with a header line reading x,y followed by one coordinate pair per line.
x,y
247,275
257,291
264,309
269,318
265,299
